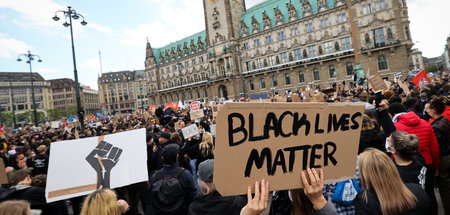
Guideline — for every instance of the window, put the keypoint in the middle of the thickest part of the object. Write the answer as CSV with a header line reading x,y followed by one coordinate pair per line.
x,y
309,27
246,46
251,86
367,9
284,57
186,63
19,91
342,17
408,37
198,94
378,35
4,91
193,61
349,68
316,74
200,59
263,83
298,54
403,3
301,77
268,39
249,65
332,71
345,42
328,47
259,63
380,5
382,63
281,35
312,51
295,31
325,23
257,43
274,81
287,79
271,60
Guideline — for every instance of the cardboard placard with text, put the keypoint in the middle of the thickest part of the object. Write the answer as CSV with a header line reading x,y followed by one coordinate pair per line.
x,y
190,130
295,98
3,178
276,141
405,87
197,114
215,109
377,83
79,167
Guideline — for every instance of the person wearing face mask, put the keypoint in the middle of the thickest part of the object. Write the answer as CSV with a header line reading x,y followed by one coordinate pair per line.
x,y
410,163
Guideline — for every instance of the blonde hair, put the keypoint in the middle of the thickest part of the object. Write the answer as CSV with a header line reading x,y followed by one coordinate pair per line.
x,y
378,172
206,144
15,207
101,202
367,123
207,188
42,148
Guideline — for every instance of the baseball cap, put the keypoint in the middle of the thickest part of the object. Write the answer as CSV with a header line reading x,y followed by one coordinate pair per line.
x,y
206,170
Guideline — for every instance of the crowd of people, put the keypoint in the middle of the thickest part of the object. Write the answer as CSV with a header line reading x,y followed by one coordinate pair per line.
x,y
403,156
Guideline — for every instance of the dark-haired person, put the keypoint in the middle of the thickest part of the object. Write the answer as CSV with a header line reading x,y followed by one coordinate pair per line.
x,y
441,127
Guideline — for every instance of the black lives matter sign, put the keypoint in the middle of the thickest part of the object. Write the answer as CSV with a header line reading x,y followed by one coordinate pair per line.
x,y
276,141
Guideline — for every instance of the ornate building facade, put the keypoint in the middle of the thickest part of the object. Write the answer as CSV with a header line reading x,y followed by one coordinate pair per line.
x,y
278,46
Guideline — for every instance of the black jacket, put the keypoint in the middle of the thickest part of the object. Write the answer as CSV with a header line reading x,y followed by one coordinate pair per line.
x,y
35,196
371,139
372,206
441,130
216,204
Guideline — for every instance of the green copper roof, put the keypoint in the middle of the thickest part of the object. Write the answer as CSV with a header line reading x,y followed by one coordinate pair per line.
x,y
168,48
269,5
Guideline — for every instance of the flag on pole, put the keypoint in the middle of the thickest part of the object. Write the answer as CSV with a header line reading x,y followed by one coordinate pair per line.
x,y
421,79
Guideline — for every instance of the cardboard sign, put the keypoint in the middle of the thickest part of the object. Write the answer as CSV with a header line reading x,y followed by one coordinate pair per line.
x,y
295,98
195,106
277,141
388,84
405,87
3,178
79,167
55,124
197,114
212,129
377,83
190,130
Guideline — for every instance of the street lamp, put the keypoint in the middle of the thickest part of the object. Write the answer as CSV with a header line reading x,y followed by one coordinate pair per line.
x,y
12,102
181,82
140,92
238,49
30,57
71,13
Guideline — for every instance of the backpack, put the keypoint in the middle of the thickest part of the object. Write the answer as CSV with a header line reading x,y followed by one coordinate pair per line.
x,y
346,192
167,194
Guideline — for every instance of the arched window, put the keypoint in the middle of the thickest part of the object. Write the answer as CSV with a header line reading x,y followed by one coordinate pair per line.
x,y
332,71
349,68
382,63
287,79
274,81
316,74
301,77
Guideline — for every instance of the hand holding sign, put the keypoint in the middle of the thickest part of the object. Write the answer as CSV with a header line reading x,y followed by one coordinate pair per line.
x,y
313,190
258,203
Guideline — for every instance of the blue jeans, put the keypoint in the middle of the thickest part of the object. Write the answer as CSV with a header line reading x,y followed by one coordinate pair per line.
x,y
194,174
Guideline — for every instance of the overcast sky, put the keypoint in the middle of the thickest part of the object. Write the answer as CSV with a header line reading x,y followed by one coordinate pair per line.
x,y
119,30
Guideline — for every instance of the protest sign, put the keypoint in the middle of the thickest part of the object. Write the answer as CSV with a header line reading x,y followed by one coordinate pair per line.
x,y
405,87
55,124
197,114
277,141
212,129
190,130
79,167
295,98
3,178
195,106
377,83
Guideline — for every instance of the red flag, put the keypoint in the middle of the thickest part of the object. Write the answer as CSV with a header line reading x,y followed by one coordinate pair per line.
x,y
152,107
1,130
421,79
166,106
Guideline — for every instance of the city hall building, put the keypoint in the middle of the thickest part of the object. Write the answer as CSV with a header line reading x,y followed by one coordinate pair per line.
x,y
278,46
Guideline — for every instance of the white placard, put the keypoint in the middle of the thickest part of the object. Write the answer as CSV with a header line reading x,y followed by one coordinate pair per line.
x,y
190,130
79,167
212,128
55,124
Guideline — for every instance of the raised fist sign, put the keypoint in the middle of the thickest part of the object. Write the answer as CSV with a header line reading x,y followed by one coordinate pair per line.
x,y
103,158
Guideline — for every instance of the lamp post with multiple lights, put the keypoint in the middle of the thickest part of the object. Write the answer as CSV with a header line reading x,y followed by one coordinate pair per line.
x,y
69,14
30,57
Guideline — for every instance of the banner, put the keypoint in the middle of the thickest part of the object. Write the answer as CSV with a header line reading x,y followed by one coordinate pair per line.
x,y
276,141
421,79
79,167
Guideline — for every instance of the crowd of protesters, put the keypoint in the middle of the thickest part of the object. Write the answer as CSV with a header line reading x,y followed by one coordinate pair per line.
x,y
403,156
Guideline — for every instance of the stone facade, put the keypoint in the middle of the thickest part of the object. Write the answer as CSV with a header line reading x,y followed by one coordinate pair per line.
x,y
123,91
417,60
278,46
21,91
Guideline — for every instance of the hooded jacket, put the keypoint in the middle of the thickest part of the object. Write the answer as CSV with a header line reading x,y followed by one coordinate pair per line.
x,y
428,145
441,128
216,204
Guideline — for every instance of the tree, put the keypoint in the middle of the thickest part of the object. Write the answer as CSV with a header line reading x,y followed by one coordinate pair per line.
x,y
431,68
53,114
28,116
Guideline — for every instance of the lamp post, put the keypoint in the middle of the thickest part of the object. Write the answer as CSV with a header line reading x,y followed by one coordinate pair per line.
x,y
69,14
181,83
30,57
140,92
238,47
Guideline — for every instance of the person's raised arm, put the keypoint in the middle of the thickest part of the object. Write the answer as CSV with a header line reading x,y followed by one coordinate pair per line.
x,y
313,190
259,203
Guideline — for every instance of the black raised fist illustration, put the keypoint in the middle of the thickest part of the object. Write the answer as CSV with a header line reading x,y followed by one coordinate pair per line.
x,y
103,158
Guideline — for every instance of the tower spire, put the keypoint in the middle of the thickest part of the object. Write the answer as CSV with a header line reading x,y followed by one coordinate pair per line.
x,y
149,51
